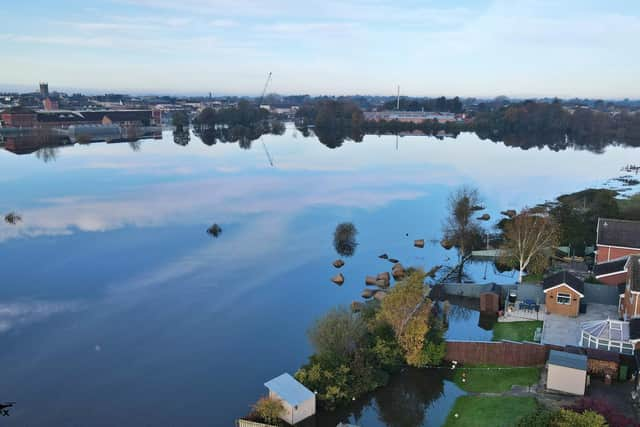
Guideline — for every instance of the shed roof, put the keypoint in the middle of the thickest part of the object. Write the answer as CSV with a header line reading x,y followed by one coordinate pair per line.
x,y
290,390
618,232
563,277
568,360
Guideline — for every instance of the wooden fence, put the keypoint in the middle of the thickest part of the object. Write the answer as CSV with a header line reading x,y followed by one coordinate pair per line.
x,y
507,353
247,423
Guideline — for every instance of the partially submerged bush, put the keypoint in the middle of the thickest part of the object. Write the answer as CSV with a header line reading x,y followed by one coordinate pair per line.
x,y
268,409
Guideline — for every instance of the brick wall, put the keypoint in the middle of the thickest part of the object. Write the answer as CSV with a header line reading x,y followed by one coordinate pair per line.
x,y
607,253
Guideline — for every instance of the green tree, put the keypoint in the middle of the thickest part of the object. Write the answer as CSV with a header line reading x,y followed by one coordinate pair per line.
x,y
180,120
339,332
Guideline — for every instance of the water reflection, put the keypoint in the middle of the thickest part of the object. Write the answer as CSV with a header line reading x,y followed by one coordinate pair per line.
x,y
344,239
413,398
119,240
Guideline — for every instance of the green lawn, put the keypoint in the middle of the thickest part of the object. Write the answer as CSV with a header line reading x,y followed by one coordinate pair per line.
x,y
480,411
515,331
494,379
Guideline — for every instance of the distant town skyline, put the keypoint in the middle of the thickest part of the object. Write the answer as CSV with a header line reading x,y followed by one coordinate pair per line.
x,y
482,48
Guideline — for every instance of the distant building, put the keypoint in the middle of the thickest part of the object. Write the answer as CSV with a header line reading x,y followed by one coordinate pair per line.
x,y
65,118
18,117
44,90
50,104
411,116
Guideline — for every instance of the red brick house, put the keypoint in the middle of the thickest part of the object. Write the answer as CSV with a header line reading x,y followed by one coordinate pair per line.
x,y
616,240
562,294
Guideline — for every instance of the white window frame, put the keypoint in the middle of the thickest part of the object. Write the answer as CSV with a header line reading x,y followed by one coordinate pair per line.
x,y
563,295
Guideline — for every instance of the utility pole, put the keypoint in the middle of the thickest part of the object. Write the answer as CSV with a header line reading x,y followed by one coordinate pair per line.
x,y
398,101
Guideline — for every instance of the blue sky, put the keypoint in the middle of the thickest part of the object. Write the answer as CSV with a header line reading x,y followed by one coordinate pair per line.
x,y
468,48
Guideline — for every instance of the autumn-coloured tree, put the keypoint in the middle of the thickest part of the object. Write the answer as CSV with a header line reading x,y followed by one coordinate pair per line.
x,y
407,310
528,238
268,409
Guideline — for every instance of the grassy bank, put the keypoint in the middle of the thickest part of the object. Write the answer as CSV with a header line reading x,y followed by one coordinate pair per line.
x,y
494,379
481,411
515,331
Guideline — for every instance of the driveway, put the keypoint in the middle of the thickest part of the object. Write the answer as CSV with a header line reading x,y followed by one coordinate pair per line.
x,y
562,330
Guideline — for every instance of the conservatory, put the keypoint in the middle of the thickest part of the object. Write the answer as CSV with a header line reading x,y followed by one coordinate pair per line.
x,y
609,335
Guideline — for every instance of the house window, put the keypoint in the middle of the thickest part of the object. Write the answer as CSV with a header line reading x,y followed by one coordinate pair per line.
x,y
563,298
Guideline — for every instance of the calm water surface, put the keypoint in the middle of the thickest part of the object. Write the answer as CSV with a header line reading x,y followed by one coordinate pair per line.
x,y
116,308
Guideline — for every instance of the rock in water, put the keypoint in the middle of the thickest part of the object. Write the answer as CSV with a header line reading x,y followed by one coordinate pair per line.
x,y
371,280
338,263
484,217
367,293
418,243
383,256
393,260
338,279
447,244
384,276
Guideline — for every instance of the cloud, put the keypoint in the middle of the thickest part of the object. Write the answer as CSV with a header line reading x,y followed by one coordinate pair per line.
x,y
18,314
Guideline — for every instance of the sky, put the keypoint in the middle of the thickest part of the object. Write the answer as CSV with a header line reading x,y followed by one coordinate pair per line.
x,y
518,48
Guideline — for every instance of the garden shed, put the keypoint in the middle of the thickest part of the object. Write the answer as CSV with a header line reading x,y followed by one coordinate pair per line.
x,y
298,401
567,372
563,292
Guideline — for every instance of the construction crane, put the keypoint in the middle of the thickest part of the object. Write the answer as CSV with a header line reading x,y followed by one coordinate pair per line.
x,y
264,91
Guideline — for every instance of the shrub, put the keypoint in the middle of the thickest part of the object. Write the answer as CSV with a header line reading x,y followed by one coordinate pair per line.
x,y
268,409
339,332
614,417
567,418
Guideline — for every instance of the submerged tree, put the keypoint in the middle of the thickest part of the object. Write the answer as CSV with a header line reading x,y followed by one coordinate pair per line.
x,y
344,239
214,230
461,228
528,239
12,218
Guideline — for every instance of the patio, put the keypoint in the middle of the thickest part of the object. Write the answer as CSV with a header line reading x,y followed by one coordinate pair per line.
x,y
523,310
562,330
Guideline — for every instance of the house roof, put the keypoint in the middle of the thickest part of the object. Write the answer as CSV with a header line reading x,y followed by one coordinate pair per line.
x,y
290,390
618,232
610,267
568,360
94,116
563,277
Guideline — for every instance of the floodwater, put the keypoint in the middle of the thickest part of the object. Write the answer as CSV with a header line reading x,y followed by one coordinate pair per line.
x,y
117,308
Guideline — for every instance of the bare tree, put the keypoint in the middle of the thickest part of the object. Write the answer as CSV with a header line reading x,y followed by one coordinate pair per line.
x,y
528,238
461,229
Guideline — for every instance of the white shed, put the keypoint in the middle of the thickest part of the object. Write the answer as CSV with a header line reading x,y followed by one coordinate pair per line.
x,y
567,372
299,402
